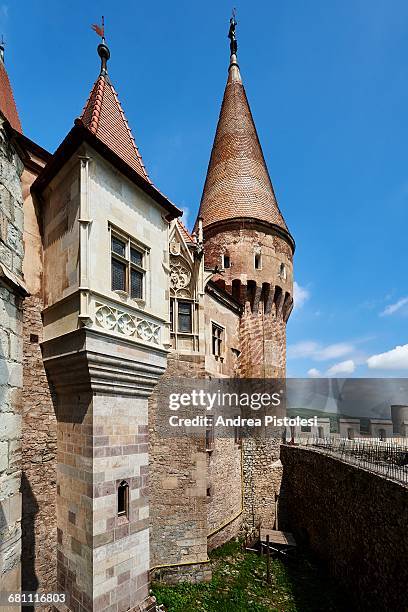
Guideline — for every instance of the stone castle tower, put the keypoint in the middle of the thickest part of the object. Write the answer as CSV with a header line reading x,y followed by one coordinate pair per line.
x,y
105,297
245,234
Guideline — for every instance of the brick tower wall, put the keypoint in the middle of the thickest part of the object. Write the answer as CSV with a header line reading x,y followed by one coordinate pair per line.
x,y
266,292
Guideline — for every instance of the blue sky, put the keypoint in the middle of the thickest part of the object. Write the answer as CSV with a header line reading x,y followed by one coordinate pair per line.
x,y
328,87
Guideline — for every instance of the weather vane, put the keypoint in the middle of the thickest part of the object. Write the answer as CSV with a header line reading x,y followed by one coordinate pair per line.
x,y
231,33
100,29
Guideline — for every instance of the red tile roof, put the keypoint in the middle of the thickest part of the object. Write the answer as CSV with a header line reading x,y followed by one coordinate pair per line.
x,y
7,103
186,234
238,182
104,117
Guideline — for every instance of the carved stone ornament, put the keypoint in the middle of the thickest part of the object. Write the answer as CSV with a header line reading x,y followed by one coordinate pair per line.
x,y
175,248
180,275
132,326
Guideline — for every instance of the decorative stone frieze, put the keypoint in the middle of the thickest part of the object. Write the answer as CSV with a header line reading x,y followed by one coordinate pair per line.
x,y
130,325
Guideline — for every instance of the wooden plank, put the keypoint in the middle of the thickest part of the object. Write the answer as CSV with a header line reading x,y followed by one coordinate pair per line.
x,y
283,538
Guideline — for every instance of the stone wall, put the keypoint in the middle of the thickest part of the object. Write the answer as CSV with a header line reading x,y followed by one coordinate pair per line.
x,y
356,521
225,490
11,354
178,484
262,479
101,408
39,524
265,290
195,495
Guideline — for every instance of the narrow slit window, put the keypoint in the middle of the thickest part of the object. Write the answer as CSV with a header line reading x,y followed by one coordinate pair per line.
x,y
217,339
209,433
282,271
258,261
226,262
171,314
237,432
123,499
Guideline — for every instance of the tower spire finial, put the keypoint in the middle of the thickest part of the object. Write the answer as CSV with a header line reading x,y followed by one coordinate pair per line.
x,y
103,49
2,45
231,34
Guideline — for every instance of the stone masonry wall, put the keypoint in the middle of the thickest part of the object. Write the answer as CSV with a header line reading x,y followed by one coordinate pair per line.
x,y
178,484
11,371
262,479
262,344
356,521
225,490
39,524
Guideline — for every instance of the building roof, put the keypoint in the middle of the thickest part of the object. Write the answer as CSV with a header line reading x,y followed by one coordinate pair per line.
x,y
186,234
104,127
7,103
238,183
104,117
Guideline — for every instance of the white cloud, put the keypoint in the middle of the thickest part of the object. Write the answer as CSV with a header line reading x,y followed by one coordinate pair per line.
x,y
395,359
333,351
392,308
300,295
344,367
302,349
317,352
314,373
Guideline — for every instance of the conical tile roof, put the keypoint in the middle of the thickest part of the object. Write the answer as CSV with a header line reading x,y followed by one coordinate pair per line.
x,y
104,117
7,103
238,183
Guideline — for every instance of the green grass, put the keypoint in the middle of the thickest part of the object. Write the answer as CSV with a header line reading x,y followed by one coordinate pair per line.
x,y
239,585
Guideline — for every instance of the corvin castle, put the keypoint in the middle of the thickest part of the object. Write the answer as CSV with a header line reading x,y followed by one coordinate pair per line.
x,y
105,297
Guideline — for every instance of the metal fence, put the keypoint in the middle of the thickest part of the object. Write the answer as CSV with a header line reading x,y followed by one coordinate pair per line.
x,y
388,458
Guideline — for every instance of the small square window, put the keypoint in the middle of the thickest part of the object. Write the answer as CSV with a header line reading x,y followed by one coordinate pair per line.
x,y
136,257
226,262
118,246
